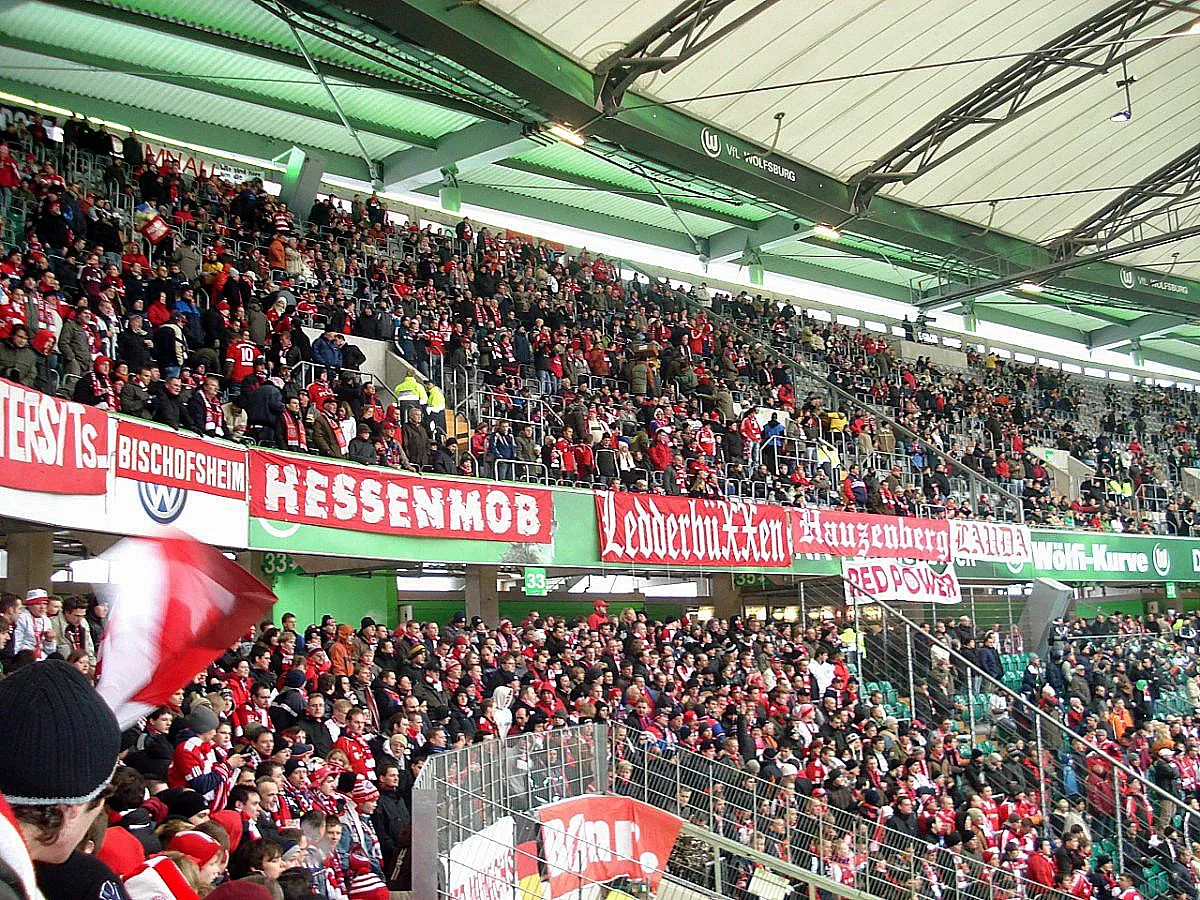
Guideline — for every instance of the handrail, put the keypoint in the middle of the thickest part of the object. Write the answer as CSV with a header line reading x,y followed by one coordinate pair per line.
x,y
1001,688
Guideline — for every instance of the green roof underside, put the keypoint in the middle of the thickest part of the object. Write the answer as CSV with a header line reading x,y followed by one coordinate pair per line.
x,y
412,74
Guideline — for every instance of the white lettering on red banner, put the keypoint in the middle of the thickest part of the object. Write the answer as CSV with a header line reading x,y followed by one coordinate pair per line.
x,y
159,456
898,581
484,865
595,839
861,534
51,445
641,528
292,489
1001,542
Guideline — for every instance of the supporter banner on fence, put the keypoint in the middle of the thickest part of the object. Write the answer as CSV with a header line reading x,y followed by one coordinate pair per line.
x,y
313,492
645,528
1001,542
50,445
899,581
595,839
163,456
484,866
862,534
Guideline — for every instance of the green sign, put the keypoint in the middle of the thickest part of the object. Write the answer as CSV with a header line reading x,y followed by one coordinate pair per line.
x,y
749,579
535,581
277,563
1172,590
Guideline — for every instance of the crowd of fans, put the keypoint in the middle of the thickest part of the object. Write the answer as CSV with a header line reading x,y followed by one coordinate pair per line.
x,y
293,756
589,378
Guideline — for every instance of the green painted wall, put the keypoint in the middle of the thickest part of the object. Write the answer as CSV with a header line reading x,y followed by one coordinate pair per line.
x,y
346,597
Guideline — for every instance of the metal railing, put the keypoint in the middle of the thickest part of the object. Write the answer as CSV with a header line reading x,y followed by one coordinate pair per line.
x,y
463,799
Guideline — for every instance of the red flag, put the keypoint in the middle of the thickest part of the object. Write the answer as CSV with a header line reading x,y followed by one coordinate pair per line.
x,y
177,605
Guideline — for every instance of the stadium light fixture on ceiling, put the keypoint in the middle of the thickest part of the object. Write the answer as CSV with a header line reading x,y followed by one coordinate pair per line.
x,y
565,134
1031,287
1126,114
828,232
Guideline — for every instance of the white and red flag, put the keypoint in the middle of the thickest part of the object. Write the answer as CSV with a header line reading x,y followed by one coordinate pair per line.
x,y
176,605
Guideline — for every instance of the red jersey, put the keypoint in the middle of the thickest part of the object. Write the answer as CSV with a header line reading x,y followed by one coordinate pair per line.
x,y
241,357
362,761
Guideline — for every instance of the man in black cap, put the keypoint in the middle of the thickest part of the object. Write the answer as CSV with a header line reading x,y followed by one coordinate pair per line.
x,y
61,743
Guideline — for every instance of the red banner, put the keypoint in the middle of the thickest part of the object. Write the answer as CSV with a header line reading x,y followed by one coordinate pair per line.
x,y
384,501
162,456
595,839
869,536
651,528
50,445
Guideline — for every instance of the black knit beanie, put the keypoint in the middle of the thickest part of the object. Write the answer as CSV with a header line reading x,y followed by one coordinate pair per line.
x,y
60,739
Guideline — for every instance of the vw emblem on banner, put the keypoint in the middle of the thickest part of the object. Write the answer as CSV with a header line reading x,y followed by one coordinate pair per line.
x,y
1128,278
162,502
710,142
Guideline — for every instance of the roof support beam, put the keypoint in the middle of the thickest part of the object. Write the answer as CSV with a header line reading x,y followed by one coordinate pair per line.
x,y
1112,336
156,22
728,245
939,298
675,38
1159,194
178,127
472,148
1093,48
838,278
1001,316
564,214
232,91
678,196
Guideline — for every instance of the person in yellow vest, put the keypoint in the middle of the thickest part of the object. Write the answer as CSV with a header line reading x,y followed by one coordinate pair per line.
x,y
436,404
411,394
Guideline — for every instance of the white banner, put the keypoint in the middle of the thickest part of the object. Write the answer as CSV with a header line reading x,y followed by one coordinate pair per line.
x,y
899,581
484,866
1002,542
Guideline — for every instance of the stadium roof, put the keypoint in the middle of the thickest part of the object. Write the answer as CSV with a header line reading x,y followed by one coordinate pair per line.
x,y
436,91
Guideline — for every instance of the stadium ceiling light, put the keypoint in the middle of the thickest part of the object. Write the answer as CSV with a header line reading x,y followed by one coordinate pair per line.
x,y
565,134
1126,114
1031,287
828,232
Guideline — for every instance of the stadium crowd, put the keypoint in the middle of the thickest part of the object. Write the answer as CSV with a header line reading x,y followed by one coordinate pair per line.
x,y
589,378
293,756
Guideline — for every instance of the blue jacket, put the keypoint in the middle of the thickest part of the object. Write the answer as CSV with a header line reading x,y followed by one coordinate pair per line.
x,y
326,353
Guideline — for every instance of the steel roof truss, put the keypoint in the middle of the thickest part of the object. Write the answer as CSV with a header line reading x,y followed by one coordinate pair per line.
x,y
675,38
1165,194
1115,35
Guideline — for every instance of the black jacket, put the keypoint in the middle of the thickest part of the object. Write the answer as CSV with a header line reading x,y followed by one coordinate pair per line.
x,y
393,825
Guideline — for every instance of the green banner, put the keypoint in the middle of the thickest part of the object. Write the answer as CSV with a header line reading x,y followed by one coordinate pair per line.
x,y
1077,557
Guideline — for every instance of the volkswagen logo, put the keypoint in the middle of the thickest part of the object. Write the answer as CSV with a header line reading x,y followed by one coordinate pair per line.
x,y
1161,559
1128,278
711,142
163,503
